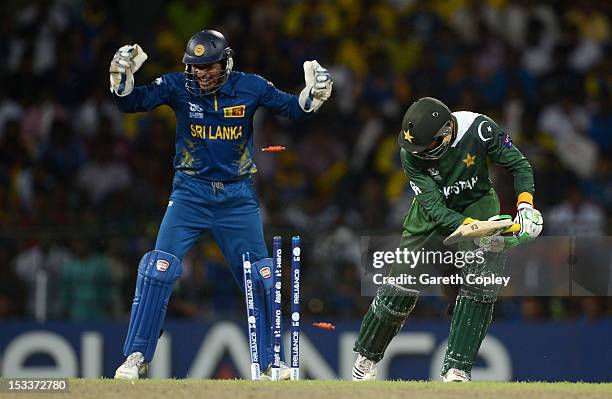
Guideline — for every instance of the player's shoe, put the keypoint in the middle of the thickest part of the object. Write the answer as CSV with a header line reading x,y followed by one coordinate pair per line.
x,y
456,375
364,369
133,368
285,372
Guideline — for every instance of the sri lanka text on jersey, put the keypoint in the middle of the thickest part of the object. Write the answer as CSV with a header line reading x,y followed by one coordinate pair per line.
x,y
216,132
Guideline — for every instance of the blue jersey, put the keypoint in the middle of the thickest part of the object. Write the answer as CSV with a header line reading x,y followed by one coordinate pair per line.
x,y
214,133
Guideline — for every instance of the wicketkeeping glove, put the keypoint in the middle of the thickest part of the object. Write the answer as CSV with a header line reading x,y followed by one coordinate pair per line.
x,y
126,61
318,86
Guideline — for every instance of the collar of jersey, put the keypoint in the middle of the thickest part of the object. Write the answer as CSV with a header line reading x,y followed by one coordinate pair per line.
x,y
463,120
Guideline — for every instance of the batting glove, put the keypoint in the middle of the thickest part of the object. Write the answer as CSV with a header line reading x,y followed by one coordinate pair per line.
x,y
531,222
126,61
318,87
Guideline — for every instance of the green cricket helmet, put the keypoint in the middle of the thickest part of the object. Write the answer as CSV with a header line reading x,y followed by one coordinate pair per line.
x,y
427,129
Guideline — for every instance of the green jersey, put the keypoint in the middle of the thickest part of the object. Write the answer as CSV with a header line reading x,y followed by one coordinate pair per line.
x,y
446,186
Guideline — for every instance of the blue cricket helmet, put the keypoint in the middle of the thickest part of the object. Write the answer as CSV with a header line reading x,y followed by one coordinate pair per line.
x,y
204,48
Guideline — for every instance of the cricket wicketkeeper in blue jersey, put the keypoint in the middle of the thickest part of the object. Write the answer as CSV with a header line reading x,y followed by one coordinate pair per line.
x,y
212,188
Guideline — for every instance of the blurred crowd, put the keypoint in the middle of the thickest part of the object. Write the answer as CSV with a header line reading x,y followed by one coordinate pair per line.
x,y
83,187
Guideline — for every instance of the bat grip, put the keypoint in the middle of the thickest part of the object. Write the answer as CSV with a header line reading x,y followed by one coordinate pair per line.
x,y
515,228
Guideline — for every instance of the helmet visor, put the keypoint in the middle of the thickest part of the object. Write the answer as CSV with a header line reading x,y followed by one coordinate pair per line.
x,y
201,84
206,84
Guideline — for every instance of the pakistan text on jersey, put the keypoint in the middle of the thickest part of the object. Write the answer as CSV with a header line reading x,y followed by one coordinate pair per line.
x,y
456,188
216,132
460,186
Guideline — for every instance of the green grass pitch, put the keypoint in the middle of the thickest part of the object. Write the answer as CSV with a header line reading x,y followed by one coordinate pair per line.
x,y
193,388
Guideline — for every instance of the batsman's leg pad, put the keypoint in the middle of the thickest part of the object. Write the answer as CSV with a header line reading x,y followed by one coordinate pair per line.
x,y
471,319
263,298
157,274
384,319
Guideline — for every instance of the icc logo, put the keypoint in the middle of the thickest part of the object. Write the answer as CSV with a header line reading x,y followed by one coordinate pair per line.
x,y
194,107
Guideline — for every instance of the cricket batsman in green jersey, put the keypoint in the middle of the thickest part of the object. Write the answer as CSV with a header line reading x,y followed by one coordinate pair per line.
x,y
444,155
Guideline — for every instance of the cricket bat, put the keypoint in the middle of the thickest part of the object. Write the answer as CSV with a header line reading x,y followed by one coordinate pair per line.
x,y
481,228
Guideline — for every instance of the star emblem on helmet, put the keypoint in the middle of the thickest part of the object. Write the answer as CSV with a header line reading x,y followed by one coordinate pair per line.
x,y
469,160
407,136
199,50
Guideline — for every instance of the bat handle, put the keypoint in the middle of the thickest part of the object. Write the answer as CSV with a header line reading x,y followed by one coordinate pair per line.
x,y
515,228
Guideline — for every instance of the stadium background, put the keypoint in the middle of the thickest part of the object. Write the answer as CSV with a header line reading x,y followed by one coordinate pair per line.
x,y
83,187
